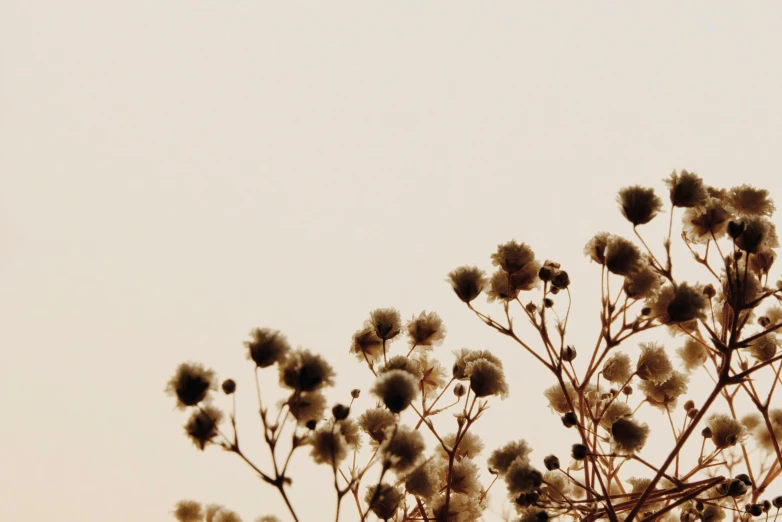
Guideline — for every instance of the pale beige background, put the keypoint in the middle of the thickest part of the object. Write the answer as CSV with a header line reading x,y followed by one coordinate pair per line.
x,y
177,172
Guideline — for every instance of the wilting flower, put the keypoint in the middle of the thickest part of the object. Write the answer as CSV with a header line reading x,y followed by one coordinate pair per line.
x,y
693,354
306,371
426,330
328,445
621,256
725,430
596,247
706,222
202,426
747,200
397,389
383,500
628,435
367,346
468,282
522,478
686,189
639,204
501,458
375,422
188,511
404,448
764,348
653,363
665,394
486,378
386,322
191,384
307,406
266,347
617,368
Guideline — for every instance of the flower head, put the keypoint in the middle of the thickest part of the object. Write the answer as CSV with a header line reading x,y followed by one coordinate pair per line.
x,y
404,448
328,445
613,412
759,235
188,511
400,362
692,354
512,256
653,363
386,322
663,395
423,481
469,446
639,205
725,430
367,346
375,422
202,426
383,500
522,478
266,347
397,389
706,222
621,256
307,406
764,348
642,283
628,435
464,357
468,282
434,375
679,305
306,371
686,189
558,400
618,368
191,384
501,458
747,200
486,378
596,247
426,330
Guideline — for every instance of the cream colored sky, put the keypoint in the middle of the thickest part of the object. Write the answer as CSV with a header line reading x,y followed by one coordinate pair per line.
x,y
175,173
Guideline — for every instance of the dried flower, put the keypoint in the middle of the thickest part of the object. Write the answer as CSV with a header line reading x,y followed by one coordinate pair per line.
x,y
468,282
202,426
340,411
461,508
404,449
512,256
375,422
386,322
617,368
400,362
469,447
328,445
747,200
225,515
762,434
615,411
665,394
464,357
557,399
397,389
760,263
653,363
464,476
686,189
423,481
596,247
725,430
188,511
693,354
579,451
621,256
306,371
191,384
307,406
643,283
486,378
266,347
426,330
629,436
679,305
383,500
759,234
367,346
712,513
501,458
551,462
639,205
350,430
522,478
434,375
764,348
706,222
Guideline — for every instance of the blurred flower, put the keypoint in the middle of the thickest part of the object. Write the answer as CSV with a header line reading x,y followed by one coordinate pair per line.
x,y
467,282
486,378
307,406
639,205
374,422
693,354
383,500
306,371
686,189
367,346
621,256
386,322
642,283
426,330
405,449
423,482
349,429
202,426
464,476
397,389
225,515
764,348
461,508
469,446
762,434
615,411
464,357
501,458
328,445
617,368
706,222
759,234
725,430
558,400
266,347
522,478
188,511
191,384
596,247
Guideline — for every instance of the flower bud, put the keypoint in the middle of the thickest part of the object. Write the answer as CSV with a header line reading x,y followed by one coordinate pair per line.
x,y
569,419
735,229
561,279
709,291
545,273
706,432
579,451
551,462
554,290
756,510
692,413
311,424
689,405
736,488
646,311
459,390
777,502
355,393
766,506
627,390
764,321
744,478
340,411
568,353
548,303
229,386
531,308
